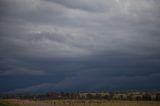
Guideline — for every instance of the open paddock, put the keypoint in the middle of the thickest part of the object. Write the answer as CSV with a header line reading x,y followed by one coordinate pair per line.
x,y
18,102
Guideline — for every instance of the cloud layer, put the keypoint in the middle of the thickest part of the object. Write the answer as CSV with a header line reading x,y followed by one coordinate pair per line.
x,y
82,45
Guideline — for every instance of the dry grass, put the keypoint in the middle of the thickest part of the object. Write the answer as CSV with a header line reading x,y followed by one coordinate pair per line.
x,y
16,102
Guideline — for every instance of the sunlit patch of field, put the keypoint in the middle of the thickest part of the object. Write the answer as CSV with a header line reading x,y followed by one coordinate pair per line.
x,y
17,102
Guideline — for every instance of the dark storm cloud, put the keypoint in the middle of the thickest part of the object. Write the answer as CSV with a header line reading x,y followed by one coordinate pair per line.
x,y
79,45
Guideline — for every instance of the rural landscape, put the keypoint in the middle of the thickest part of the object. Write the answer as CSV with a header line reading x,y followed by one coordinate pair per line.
x,y
79,52
128,98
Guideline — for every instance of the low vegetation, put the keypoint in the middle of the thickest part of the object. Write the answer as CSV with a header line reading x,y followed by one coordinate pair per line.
x,y
127,95
132,98
17,102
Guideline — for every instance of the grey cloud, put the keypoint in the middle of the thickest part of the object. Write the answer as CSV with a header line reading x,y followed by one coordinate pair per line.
x,y
90,6
77,83
81,42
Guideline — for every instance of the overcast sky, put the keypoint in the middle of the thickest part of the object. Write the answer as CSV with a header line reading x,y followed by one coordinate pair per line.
x,y
79,45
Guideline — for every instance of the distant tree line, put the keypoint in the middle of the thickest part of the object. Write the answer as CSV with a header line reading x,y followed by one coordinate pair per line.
x,y
83,95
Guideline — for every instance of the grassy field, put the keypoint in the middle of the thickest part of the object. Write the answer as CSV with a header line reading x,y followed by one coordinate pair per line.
x,y
16,102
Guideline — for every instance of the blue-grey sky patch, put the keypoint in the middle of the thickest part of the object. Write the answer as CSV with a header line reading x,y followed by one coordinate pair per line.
x,y
79,45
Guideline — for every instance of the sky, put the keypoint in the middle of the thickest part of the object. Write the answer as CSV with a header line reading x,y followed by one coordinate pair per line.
x,y
79,45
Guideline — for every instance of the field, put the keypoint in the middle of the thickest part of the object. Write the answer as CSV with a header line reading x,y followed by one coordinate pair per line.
x,y
16,102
